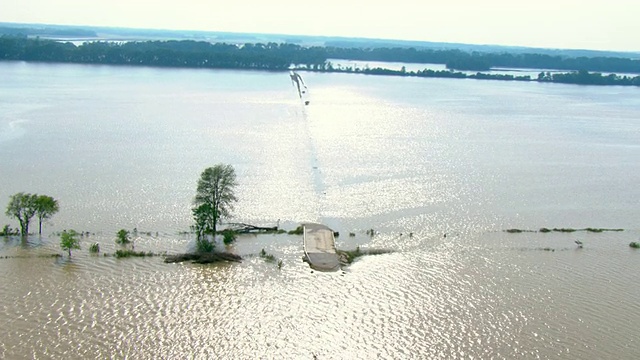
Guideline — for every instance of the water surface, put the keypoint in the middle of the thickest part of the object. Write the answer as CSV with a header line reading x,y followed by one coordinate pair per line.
x,y
123,147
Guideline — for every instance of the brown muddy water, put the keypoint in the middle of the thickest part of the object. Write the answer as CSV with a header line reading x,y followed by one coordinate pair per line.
x,y
123,147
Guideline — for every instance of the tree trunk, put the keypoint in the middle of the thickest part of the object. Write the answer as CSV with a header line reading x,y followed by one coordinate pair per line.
x,y
40,226
24,228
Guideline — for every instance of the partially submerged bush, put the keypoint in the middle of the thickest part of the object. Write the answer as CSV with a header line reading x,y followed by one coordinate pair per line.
x,y
348,256
204,245
94,248
229,236
599,230
122,237
635,245
69,240
267,257
131,253
298,231
7,231
564,230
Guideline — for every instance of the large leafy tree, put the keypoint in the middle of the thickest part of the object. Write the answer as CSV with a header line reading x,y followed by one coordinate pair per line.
x,y
46,207
23,207
214,198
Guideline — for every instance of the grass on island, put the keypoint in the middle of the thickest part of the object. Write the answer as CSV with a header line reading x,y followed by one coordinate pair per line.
x,y
31,256
563,230
517,231
131,253
349,256
599,230
298,231
203,258
266,256
270,258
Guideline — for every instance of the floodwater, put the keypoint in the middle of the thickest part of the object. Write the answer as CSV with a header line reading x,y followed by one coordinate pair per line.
x,y
413,159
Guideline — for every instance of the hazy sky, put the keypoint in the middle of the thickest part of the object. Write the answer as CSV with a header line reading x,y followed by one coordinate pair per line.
x,y
586,24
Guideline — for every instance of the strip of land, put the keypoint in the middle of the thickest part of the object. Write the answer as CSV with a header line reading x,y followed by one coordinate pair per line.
x,y
283,57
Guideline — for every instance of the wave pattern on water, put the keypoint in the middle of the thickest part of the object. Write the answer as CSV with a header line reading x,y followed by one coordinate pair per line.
x,y
436,167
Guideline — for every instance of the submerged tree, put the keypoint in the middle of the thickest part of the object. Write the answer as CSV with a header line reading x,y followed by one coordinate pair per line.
x,y
23,207
214,199
123,237
69,240
46,207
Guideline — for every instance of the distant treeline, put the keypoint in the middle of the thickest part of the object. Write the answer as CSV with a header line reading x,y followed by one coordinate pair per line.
x,y
581,77
480,61
47,31
273,56
185,53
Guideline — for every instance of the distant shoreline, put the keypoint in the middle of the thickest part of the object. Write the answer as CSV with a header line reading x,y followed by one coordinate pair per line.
x,y
573,77
279,57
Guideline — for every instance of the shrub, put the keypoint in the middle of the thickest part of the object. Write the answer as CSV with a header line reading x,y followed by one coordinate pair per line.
x,y
94,248
229,236
204,245
130,253
635,245
7,231
267,257
123,237
564,230
298,231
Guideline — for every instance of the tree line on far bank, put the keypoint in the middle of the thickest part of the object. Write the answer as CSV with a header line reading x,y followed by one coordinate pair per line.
x,y
280,57
581,77
483,61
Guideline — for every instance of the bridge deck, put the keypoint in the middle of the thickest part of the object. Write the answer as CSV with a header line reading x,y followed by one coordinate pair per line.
x,y
320,247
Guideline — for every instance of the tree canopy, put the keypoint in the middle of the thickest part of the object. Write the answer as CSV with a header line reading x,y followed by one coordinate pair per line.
x,y
46,207
69,240
23,207
214,200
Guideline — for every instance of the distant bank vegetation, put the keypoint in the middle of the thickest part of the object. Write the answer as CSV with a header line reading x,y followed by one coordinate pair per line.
x,y
280,57
564,230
